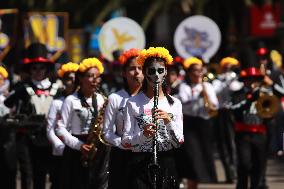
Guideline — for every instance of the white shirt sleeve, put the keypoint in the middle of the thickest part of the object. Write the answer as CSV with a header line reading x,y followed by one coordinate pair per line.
x,y
109,127
176,127
212,95
131,138
184,93
218,85
64,122
57,144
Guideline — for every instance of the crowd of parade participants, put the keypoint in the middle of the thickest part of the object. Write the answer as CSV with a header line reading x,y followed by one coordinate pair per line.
x,y
158,122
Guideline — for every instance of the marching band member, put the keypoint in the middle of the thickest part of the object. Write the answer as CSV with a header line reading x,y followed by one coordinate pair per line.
x,y
4,85
113,120
199,104
139,129
174,77
8,167
33,99
251,133
273,82
67,74
78,114
225,85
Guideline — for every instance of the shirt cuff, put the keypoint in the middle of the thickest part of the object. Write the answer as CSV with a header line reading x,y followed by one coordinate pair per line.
x,y
171,125
78,145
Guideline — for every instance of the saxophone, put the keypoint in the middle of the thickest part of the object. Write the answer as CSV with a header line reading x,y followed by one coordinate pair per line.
x,y
95,138
210,108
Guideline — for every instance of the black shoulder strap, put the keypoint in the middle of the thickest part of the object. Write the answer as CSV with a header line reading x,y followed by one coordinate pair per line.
x,y
85,104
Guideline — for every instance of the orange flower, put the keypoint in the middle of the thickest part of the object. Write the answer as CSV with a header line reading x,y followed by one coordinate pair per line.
x,y
68,67
126,55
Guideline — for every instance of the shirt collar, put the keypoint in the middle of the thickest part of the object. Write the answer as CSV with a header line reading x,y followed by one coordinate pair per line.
x,y
43,84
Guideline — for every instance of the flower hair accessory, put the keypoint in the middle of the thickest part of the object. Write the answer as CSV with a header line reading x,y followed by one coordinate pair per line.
x,y
159,52
230,61
91,63
192,60
126,55
68,67
3,72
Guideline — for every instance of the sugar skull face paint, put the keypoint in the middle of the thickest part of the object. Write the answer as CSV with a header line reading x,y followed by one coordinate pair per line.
x,y
156,72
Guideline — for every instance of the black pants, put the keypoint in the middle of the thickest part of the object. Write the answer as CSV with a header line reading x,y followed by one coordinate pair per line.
x,y
224,134
118,166
251,154
141,172
24,159
8,161
41,158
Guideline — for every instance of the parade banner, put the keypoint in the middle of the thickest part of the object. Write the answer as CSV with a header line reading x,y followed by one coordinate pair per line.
x,y
120,33
49,28
8,24
264,19
197,36
76,45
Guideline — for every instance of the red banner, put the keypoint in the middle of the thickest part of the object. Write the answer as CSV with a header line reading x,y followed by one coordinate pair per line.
x,y
264,19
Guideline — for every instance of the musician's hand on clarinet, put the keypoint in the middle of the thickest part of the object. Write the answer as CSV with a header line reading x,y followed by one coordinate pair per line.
x,y
85,148
149,130
160,114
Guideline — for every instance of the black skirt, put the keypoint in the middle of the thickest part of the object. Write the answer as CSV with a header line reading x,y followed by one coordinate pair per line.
x,y
195,157
141,171
75,176
119,161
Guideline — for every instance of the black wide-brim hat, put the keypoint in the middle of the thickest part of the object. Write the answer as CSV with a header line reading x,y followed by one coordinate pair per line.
x,y
36,53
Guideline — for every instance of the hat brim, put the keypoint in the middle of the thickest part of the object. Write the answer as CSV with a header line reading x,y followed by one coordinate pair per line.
x,y
36,60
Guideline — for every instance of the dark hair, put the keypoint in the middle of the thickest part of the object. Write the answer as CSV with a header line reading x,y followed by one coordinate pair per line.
x,y
77,75
174,68
124,67
147,63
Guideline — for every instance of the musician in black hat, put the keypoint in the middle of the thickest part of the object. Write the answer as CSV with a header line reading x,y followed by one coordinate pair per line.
x,y
250,124
32,100
274,83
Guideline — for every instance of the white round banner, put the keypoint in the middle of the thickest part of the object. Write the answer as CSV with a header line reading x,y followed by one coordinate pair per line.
x,y
197,36
120,33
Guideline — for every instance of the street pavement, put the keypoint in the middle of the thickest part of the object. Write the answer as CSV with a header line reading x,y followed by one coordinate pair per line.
x,y
275,176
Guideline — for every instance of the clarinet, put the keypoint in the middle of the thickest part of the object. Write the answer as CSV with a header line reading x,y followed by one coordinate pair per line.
x,y
154,166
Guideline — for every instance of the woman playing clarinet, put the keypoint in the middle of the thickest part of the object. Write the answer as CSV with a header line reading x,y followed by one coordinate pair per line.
x,y
153,126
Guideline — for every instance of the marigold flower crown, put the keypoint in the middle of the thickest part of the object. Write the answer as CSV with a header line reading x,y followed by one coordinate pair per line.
x,y
159,52
91,63
192,60
126,55
229,60
68,67
3,72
